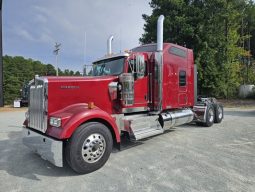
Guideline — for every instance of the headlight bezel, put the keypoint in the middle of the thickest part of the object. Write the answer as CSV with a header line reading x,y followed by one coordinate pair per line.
x,y
55,121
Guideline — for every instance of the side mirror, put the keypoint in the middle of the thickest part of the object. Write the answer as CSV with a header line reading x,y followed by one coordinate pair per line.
x,y
140,66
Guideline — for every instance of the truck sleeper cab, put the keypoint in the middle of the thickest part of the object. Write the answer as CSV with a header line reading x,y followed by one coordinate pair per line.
x,y
138,94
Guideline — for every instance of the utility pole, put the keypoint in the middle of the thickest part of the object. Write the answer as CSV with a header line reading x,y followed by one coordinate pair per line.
x,y
1,60
56,51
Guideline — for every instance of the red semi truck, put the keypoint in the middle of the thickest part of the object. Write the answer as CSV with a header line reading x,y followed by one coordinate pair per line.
x,y
136,94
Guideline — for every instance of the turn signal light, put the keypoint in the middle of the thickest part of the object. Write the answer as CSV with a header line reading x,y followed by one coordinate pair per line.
x,y
91,105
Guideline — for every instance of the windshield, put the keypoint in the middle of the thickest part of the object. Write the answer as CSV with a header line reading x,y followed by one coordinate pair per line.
x,y
112,66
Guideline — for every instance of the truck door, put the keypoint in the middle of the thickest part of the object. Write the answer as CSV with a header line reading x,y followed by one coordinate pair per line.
x,y
138,67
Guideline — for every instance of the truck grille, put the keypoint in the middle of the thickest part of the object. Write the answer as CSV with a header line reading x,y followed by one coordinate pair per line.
x,y
38,105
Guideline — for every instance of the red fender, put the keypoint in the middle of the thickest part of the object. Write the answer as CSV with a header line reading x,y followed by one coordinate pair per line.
x,y
75,115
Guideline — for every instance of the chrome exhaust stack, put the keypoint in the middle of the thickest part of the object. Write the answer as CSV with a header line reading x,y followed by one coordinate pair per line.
x,y
160,28
109,45
159,64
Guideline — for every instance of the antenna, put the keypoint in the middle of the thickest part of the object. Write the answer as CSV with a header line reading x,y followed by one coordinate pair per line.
x,y
120,39
56,51
85,53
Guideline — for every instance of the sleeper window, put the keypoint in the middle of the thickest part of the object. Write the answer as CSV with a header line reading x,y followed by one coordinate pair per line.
x,y
182,78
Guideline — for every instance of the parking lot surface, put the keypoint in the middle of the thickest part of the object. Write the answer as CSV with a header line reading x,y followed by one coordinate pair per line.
x,y
187,158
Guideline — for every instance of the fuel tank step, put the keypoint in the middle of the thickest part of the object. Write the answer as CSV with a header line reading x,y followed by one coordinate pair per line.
x,y
144,126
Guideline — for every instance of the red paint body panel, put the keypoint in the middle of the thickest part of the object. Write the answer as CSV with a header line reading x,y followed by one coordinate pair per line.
x,y
175,96
75,115
68,98
65,91
141,91
141,85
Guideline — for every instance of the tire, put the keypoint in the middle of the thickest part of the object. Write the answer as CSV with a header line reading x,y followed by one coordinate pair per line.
x,y
219,113
210,116
89,147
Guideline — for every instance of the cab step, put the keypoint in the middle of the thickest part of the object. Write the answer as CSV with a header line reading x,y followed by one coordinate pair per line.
x,y
144,126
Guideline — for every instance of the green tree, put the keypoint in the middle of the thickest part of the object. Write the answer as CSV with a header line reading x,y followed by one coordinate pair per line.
x,y
77,73
50,70
212,29
18,70
66,72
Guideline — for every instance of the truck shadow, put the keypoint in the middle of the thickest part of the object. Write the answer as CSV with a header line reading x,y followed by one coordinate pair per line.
x,y
18,160
128,144
192,125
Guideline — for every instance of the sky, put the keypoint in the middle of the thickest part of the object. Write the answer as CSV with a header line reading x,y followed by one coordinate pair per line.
x,y
32,27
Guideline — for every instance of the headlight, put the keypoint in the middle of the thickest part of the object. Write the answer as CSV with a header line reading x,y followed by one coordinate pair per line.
x,y
55,121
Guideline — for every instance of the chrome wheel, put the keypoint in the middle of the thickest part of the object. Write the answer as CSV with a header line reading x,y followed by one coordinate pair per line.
x,y
211,115
220,112
93,148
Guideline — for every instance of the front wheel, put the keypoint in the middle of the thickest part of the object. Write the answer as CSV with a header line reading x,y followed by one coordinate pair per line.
x,y
89,147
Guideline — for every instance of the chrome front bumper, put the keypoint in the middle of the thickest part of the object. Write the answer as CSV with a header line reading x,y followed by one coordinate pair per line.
x,y
48,148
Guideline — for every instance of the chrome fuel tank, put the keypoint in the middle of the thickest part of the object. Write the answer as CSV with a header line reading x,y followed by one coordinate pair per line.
x,y
177,117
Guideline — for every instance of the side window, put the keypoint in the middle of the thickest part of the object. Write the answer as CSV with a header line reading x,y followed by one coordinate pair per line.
x,y
131,66
182,78
178,52
137,67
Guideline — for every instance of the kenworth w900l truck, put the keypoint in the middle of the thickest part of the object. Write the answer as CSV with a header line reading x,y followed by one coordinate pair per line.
x,y
137,94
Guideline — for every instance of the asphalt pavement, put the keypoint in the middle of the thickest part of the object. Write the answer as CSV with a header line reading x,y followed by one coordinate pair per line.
x,y
187,158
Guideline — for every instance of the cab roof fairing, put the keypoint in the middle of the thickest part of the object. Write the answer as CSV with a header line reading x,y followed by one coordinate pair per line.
x,y
112,56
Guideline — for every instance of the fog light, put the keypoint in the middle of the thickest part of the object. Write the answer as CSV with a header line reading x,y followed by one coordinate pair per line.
x,y
55,121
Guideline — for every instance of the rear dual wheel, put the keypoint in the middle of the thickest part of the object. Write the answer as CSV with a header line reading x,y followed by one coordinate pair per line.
x,y
89,147
219,113
214,114
210,116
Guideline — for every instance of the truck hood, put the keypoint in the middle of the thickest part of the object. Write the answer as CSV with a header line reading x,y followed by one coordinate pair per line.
x,y
65,91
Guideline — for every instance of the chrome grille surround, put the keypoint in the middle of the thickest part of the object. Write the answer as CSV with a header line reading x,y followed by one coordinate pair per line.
x,y
38,104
